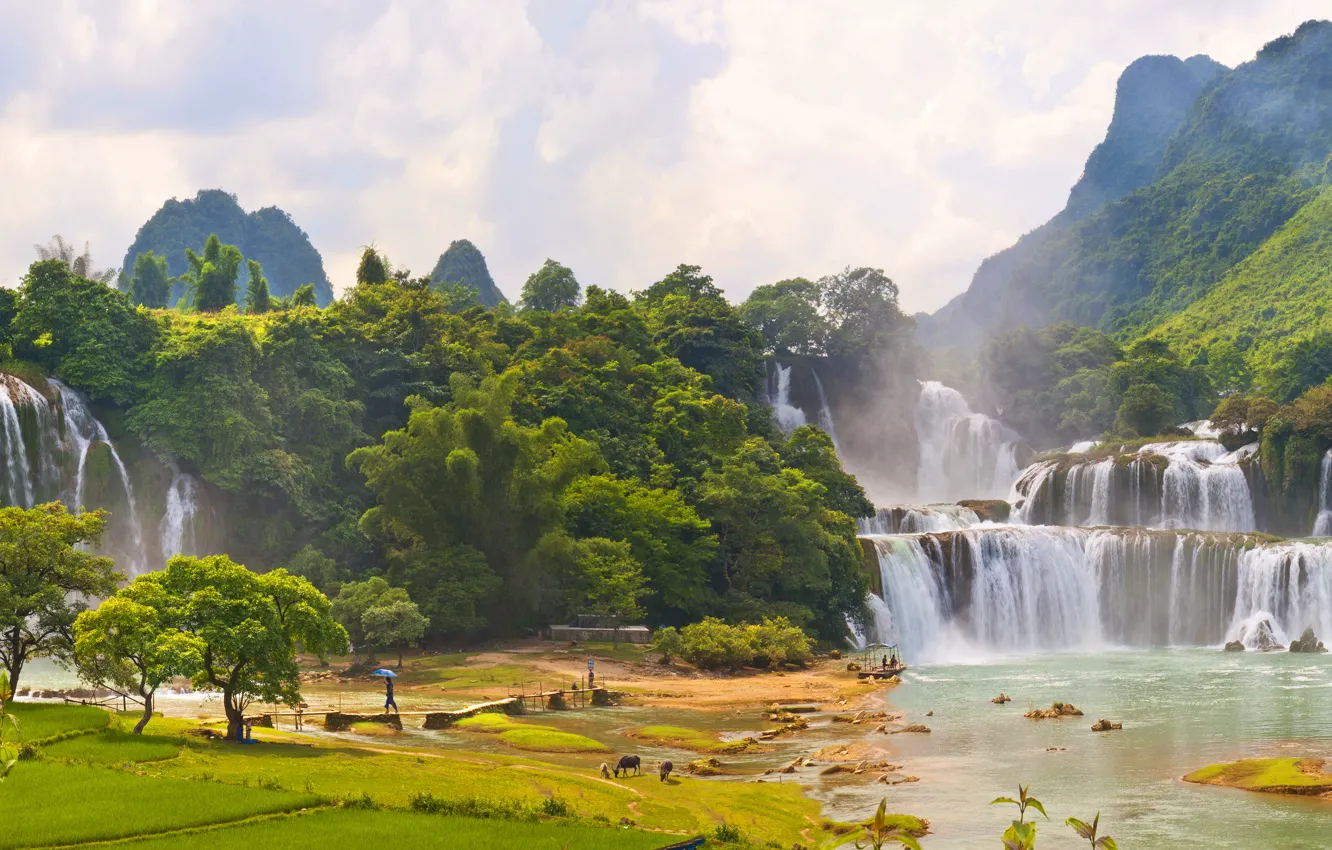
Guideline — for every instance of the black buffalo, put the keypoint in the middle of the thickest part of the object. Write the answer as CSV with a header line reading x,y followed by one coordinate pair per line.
x,y
628,763
665,769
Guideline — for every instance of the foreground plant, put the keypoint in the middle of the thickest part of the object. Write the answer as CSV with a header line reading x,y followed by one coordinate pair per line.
x,y
9,751
880,833
1088,831
1021,835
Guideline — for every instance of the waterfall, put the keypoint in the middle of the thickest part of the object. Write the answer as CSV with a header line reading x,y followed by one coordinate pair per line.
x,y
1019,589
916,519
85,431
825,413
1323,523
177,526
788,416
1201,486
18,467
962,454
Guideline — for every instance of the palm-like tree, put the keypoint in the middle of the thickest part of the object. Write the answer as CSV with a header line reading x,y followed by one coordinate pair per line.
x,y
79,264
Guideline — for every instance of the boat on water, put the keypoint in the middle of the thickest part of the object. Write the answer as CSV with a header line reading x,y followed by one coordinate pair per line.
x,y
881,661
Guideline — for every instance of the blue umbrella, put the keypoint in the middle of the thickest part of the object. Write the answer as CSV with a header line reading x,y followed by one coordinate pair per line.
x,y
384,671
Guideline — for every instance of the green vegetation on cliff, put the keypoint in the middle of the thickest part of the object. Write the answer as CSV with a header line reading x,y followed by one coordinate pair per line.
x,y
463,263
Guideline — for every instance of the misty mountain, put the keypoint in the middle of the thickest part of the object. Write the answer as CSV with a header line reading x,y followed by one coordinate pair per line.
x,y
1160,216
268,235
464,263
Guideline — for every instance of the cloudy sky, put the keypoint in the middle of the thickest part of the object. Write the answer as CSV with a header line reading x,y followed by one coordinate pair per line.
x,y
761,139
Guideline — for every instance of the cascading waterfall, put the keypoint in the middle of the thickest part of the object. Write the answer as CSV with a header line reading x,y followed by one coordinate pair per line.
x,y
788,416
18,467
825,413
1015,589
1193,484
962,454
85,430
916,519
1323,522
182,507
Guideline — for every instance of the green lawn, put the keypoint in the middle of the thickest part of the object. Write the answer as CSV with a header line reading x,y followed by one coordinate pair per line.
x,y
39,721
114,747
356,828
530,736
65,804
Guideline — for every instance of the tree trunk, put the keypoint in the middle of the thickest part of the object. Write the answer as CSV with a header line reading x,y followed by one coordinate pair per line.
x,y
15,665
235,717
147,712
400,658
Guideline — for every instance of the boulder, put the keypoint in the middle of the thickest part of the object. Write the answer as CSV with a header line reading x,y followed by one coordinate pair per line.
x,y
704,767
1001,699
1265,637
914,727
1307,642
1234,646
1058,709
1104,725
852,667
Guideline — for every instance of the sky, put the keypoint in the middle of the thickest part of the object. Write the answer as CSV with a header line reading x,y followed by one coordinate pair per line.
x,y
759,139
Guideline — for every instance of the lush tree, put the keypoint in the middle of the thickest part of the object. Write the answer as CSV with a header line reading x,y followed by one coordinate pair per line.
x,y
151,284
373,268
862,309
666,536
607,580
466,474
212,277
1145,411
304,296
256,291
357,597
247,627
705,333
811,451
1308,364
46,576
551,287
788,315
124,646
82,331
395,624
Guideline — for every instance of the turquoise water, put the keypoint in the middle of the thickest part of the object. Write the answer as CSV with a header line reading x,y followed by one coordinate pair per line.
x,y
1181,710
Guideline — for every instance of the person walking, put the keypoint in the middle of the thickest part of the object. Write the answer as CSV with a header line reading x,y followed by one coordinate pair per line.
x,y
388,692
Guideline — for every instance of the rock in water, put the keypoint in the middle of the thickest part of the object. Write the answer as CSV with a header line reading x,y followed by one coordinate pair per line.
x,y
1104,725
1266,637
1307,642
1058,709
1234,646
1001,699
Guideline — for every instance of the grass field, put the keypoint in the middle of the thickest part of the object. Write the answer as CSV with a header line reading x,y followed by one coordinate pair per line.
x,y
115,785
95,803
115,747
39,721
689,739
353,828
530,736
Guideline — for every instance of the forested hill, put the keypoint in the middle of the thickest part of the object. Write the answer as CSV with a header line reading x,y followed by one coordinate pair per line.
x,y
1245,155
268,235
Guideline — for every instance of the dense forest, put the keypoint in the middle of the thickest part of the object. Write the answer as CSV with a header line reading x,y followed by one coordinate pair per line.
x,y
509,467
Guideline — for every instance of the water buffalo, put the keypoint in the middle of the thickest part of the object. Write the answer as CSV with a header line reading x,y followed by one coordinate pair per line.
x,y
628,763
605,770
664,769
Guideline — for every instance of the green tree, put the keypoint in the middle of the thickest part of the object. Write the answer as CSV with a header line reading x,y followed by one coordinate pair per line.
x,y
693,323
256,291
304,296
862,309
46,573
811,451
395,624
552,287
466,474
151,284
373,268
1145,411
607,581
212,277
357,597
248,627
124,646
788,316
665,535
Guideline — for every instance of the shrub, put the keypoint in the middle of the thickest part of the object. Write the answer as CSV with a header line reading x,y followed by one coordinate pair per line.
x,y
714,645
669,644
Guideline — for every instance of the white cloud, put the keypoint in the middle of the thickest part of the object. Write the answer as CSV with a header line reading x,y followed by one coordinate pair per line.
x,y
760,140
